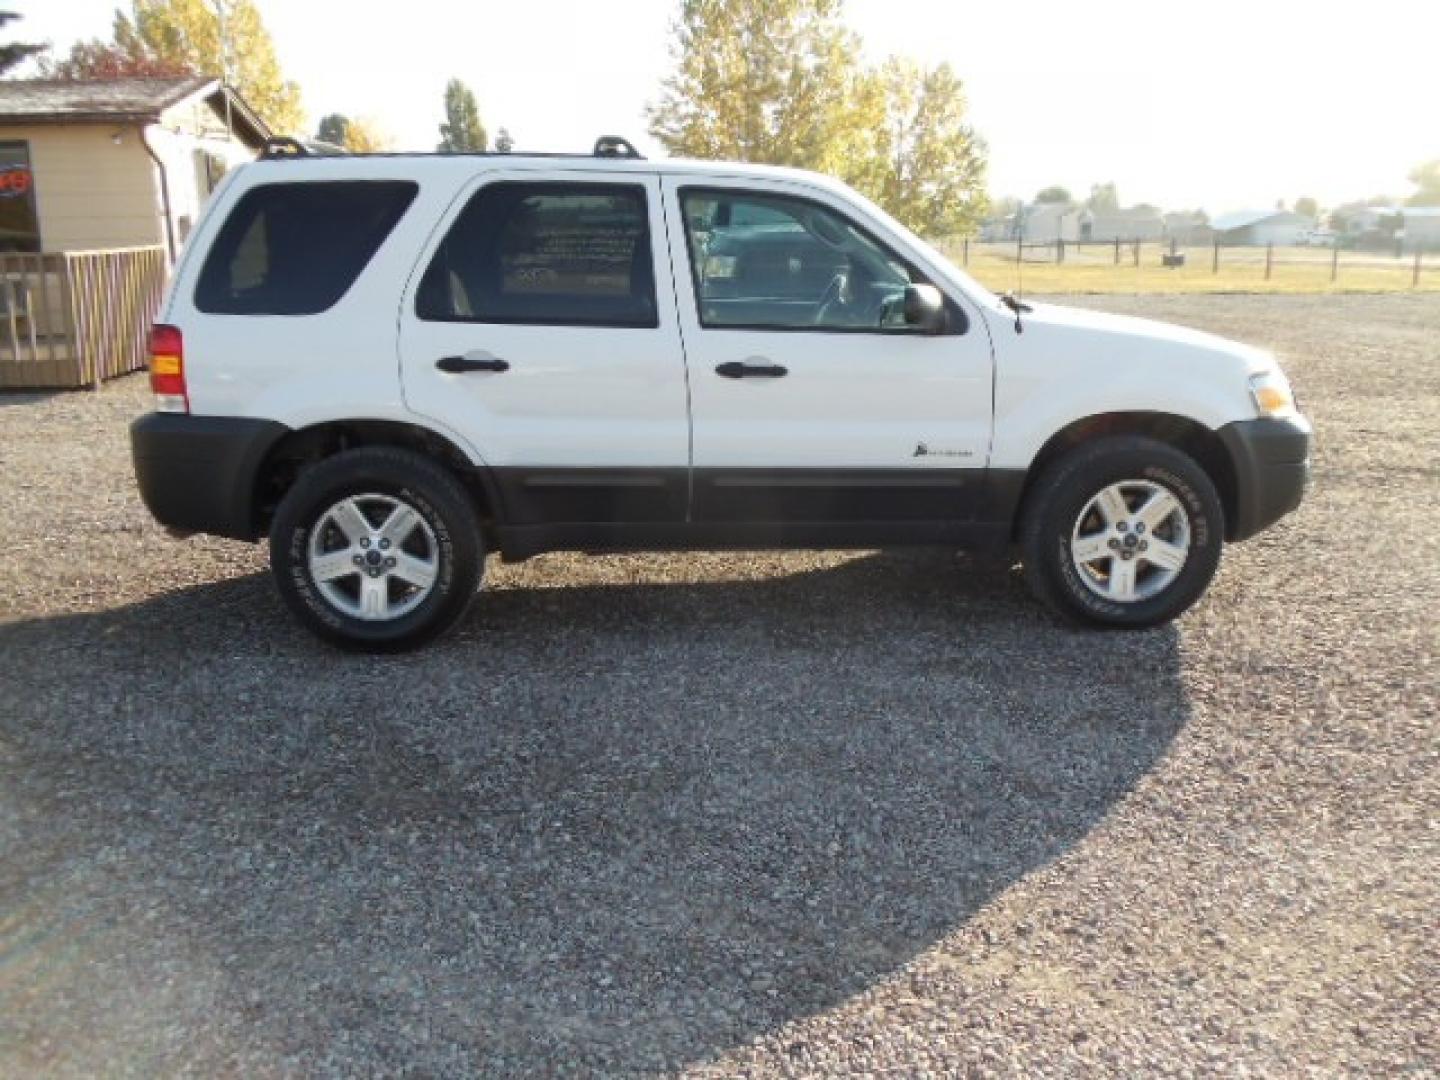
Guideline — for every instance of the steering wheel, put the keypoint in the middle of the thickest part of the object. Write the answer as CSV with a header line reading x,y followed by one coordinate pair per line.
x,y
832,299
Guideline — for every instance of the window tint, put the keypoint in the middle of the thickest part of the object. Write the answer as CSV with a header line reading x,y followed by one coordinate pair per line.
x,y
574,254
19,225
771,262
294,249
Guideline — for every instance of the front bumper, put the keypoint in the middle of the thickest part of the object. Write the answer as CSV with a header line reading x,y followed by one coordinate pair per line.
x,y
197,473
1271,463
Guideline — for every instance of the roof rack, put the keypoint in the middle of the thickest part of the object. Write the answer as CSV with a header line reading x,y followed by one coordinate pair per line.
x,y
281,147
615,146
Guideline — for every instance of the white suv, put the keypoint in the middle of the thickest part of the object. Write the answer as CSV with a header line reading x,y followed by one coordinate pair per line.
x,y
394,364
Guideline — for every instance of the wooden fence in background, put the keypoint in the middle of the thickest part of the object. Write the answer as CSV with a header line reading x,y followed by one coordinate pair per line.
x,y
76,318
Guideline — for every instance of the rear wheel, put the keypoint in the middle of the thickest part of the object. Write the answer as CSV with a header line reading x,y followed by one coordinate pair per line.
x,y
1122,532
377,548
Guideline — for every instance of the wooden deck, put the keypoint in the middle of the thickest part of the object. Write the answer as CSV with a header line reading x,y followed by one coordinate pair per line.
x,y
75,318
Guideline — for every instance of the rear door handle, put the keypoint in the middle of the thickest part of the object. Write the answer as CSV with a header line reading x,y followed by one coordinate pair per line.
x,y
457,365
747,369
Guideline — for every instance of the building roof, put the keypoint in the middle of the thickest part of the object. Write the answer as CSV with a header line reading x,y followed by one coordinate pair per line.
x,y
1241,219
54,101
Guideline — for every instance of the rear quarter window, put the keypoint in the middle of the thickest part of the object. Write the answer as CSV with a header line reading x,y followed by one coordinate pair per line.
x,y
295,249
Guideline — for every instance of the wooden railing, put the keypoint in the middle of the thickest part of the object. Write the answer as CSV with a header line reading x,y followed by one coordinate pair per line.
x,y
76,318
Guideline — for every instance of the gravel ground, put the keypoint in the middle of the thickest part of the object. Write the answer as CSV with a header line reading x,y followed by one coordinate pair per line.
x,y
796,813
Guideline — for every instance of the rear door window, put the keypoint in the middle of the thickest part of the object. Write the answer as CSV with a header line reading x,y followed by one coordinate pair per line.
x,y
568,254
295,249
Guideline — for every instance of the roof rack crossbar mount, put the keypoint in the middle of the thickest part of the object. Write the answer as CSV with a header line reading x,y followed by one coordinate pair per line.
x,y
615,146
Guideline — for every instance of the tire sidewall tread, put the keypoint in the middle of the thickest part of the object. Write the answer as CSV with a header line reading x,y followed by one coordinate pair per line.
x,y
1061,493
425,485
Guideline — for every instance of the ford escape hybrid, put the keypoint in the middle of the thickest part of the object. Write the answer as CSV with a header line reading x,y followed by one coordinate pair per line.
x,y
394,364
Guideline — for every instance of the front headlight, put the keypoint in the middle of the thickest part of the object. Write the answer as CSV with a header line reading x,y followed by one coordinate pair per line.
x,y
1270,391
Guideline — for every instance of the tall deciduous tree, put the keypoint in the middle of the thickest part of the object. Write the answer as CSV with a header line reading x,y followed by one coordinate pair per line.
x,y
1426,179
773,81
1104,198
781,82
186,34
15,53
462,130
96,59
927,166
364,137
1307,207
1053,194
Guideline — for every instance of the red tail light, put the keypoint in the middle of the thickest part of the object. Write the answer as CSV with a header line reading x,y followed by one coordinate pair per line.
x,y
167,369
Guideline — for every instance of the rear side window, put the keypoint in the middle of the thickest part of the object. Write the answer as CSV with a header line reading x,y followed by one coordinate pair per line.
x,y
294,249
550,253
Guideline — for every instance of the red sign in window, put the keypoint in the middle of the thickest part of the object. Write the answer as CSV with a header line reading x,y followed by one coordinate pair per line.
x,y
14,181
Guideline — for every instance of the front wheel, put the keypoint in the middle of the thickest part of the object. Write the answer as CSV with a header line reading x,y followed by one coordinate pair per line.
x,y
377,549
1122,532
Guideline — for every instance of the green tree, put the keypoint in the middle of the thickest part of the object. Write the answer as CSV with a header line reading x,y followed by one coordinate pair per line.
x,y
503,142
462,130
775,81
364,136
1104,198
1307,207
781,82
334,129
927,166
96,59
186,34
1053,194
15,53
1426,179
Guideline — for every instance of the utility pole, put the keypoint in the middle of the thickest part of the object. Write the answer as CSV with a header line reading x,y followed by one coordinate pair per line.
x,y
222,31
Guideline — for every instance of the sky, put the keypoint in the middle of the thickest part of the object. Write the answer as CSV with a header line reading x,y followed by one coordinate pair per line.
x,y
1222,105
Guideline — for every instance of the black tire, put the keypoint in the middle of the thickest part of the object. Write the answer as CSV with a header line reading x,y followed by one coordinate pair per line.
x,y
1062,493
454,543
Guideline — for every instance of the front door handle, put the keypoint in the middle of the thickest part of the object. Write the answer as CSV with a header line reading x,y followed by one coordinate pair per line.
x,y
457,365
745,369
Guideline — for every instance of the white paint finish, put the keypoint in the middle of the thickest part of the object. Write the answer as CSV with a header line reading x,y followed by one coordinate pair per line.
x,y
573,395
848,399
1070,364
303,369
597,397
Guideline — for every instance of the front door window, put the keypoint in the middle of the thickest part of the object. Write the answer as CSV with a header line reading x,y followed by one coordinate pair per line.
x,y
774,262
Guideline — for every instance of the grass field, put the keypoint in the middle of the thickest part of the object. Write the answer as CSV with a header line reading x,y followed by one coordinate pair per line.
x,y
1092,269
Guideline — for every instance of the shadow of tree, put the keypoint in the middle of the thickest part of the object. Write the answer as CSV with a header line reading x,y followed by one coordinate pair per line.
x,y
610,827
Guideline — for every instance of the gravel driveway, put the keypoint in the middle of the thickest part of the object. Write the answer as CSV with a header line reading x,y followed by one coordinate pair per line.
x,y
747,813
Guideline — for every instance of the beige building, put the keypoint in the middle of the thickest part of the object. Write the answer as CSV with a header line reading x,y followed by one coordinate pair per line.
x,y
115,163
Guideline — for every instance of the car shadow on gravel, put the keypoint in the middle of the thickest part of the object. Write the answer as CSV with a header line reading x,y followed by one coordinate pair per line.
x,y
604,826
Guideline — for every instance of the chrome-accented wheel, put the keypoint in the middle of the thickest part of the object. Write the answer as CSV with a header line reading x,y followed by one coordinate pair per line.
x,y
1130,541
373,557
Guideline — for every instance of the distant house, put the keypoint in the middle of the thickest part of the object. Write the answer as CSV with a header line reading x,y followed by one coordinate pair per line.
x,y
111,163
1261,227
1419,228
1359,220
1188,227
1045,223
1134,223
999,227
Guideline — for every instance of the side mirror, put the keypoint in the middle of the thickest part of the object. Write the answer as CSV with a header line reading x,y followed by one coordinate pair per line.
x,y
925,308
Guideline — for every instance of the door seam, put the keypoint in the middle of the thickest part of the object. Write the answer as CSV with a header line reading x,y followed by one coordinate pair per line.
x,y
684,354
